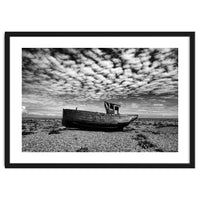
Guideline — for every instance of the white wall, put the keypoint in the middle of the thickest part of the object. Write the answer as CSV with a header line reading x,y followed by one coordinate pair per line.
x,y
104,15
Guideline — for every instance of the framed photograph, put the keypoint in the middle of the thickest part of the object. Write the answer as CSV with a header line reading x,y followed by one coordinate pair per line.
x,y
99,99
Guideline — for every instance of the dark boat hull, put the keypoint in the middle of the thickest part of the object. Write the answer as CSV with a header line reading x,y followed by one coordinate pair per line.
x,y
95,120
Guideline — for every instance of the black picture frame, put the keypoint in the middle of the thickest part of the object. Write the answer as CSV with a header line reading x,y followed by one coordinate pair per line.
x,y
190,35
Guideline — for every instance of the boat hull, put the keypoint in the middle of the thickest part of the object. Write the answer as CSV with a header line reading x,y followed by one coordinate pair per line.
x,y
95,120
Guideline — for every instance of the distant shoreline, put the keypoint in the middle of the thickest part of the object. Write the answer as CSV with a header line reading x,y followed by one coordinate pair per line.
x,y
61,118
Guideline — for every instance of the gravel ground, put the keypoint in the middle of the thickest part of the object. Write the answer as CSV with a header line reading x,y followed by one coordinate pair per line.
x,y
141,136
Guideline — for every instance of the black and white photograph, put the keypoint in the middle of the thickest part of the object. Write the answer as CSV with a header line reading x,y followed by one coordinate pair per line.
x,y
100,99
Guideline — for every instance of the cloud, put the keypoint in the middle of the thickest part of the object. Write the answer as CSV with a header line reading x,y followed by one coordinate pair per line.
x,y
53,77
24,110
134,105
87,71
157,104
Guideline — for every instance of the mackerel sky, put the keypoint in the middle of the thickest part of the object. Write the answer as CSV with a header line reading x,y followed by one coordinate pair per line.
x,y
143,80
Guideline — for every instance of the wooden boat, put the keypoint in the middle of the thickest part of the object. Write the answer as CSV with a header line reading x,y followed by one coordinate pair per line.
x,y
109,121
